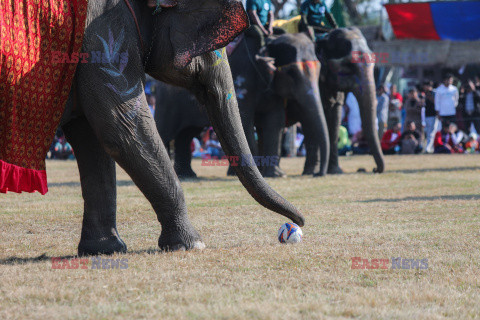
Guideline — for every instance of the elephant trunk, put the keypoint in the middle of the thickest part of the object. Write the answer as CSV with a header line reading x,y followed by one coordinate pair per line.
x,y
222,109
365,94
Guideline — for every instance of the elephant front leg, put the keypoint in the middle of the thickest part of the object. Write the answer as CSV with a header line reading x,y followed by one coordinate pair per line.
x,y
333,115
99,191
312,158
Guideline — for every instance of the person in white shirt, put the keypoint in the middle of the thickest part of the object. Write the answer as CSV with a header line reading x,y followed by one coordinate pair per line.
x,y
446,100
354,121
382,110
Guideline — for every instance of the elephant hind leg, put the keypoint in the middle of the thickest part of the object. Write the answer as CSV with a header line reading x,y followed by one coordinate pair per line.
x,y
98,180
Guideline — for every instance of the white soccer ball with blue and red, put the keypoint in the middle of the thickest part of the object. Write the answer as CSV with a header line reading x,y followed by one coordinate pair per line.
x,y
290,233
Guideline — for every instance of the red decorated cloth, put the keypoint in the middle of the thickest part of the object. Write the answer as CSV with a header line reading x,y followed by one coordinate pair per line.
x,y
33,89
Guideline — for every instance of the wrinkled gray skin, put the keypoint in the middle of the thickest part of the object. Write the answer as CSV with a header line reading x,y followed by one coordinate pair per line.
x,y
262,94
107,127
338,76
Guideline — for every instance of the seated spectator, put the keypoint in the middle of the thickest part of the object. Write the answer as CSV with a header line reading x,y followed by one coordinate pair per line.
x,y
360,143
410,140
213,146
344,144
472,144
391,139
459,137
446,141
63,150
196,148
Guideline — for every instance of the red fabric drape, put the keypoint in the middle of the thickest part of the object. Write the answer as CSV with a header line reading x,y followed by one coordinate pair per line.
x,y
34,89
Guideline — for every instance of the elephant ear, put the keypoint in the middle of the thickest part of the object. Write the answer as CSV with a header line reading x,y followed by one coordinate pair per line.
x,y
201,26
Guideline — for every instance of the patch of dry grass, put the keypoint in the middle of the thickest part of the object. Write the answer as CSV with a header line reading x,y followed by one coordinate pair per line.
x,y
422,207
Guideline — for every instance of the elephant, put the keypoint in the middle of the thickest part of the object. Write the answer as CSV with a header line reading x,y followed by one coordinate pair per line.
x,y
268,80
344,69
107,120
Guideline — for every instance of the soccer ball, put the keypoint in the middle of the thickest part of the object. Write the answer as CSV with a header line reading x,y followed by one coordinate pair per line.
x,y
290,233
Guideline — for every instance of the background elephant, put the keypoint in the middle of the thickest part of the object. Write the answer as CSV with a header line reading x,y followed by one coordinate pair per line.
x,y
263,90
107,119
340,54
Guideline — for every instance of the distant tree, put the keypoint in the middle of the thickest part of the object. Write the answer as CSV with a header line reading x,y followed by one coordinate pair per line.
x,y
363,12
352,9
279,5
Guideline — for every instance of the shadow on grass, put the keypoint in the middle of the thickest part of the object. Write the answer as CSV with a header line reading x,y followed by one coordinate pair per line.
x,y
129,183
12,261
452,169
433,198
76,184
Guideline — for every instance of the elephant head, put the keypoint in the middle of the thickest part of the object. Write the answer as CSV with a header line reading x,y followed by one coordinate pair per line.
x,y
184,47
296,80
348,67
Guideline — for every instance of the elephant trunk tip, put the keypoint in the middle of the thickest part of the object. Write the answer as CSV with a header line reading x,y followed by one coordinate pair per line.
x,y
270,199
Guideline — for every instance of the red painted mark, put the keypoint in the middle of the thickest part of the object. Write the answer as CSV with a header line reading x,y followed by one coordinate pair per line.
x,y
302,65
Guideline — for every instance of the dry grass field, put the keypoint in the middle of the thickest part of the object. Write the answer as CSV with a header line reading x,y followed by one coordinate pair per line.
x,y
423,207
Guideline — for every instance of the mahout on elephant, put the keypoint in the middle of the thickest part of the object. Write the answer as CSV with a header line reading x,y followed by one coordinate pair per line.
x,y
282,75
107,119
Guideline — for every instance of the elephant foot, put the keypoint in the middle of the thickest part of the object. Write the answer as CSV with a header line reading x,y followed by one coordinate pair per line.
x,y
180,240
186,174
308,171
335,170
274,172
106,245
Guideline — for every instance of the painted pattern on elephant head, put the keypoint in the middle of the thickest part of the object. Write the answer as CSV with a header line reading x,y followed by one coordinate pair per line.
x,y
335,52
218,23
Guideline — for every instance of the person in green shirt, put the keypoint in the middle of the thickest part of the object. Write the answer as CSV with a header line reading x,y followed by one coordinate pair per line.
x,y
344,143
260,13
316,14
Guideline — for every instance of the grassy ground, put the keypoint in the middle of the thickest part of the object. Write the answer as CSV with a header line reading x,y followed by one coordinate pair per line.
x,y
423,207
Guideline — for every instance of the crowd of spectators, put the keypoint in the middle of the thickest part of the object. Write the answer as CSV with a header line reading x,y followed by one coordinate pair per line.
x,y
430,118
